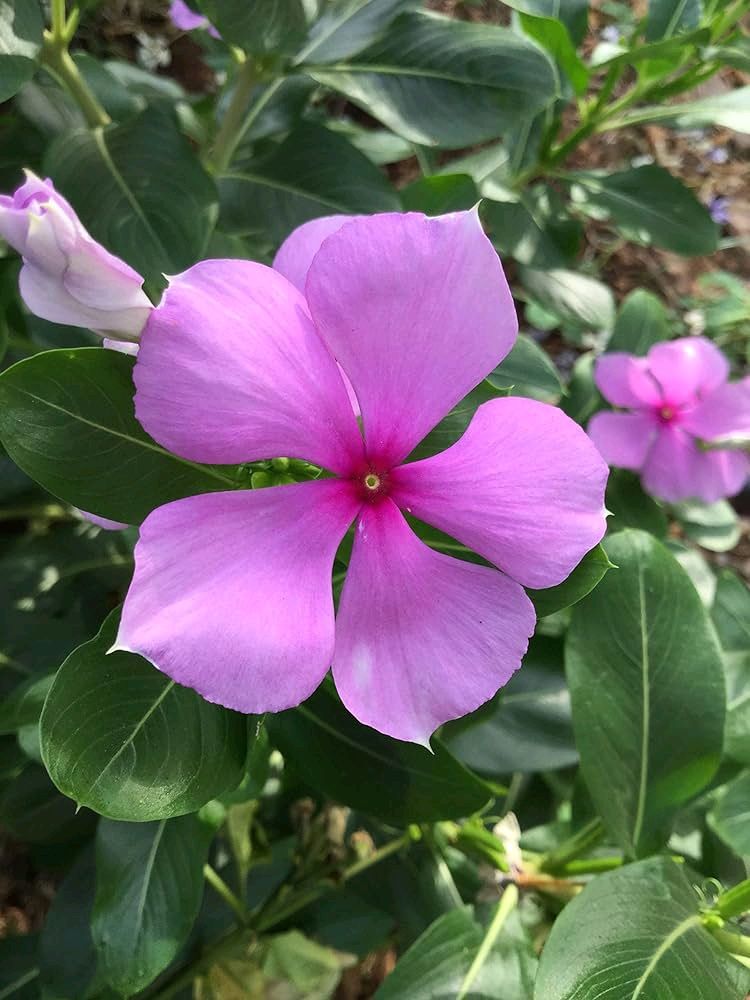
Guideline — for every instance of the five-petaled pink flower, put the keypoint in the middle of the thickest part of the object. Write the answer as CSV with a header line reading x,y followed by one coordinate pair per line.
x,y
678,398
232,591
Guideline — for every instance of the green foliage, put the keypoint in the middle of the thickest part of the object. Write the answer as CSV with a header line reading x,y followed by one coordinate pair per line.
x,y
20,41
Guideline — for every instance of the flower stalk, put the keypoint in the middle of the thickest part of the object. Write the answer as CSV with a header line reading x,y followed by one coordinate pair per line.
x,y
230,131
57,59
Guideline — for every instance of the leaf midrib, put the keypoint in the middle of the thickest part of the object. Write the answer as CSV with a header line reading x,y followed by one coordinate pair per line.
x,y
645,711
682,928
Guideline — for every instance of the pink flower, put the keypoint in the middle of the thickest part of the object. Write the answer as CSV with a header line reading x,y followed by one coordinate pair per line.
x,y
66,276
676,397
185,19
232,591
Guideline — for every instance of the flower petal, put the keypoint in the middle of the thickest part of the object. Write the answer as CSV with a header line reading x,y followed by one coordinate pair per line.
x,y
676,469
421,637
624,380
232,592
231,369
687,368
523,487
724,413
623,439
295,255
416,311
103,522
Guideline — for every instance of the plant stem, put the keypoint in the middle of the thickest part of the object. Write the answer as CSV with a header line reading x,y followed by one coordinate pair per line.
x,y
581,842
508,902
57,59
231,129
591,866
219,885
737,944
735,901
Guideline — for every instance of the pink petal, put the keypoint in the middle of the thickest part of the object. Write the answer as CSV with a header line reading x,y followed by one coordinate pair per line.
x,y
421,637
523,487
232,592
624,380
123,346
687,368
103,522
231,369
623,439
677,469
416,311
724,413
296,253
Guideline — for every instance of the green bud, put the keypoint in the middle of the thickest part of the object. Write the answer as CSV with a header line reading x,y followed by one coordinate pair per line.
x,y
260,479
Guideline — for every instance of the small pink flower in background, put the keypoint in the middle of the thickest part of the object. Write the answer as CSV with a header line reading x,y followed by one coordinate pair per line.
x,y
232,591
66,276
676,397
185,19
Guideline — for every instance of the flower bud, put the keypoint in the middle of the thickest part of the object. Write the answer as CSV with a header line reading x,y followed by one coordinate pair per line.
x,y
66,276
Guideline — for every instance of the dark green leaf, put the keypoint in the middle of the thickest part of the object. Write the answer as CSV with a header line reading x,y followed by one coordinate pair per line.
x,y
439,194
66,418
313,172
641,323
346,922
19,967
737,732
437,965
32,809
109,736
554,37
518,232
23,707
583,398
139,189
528,371
636,934
714,526
735,52
647,689
731,612
257,25
572,13
581,582
575,298
527,726
631,507
450,428
346,26
21,26
729,817
729,109
443,82
331,751
653,206
671,17
149,884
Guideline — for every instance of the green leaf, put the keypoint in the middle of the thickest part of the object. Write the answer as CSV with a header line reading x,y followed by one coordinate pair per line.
x,y
313,172
714,526
636,934
258,26
139,190
641,323
575,298
21,26
32,809
518,232
442,82
729,817
737,731
528,371
346,26
647,690
23,707
527,726
19,967
66,418
109,738
438,963
572,13
653,207
439,194
735,52
731,612
631,507
583,398
413,786
554,37
727,110
451,427
587,574
671,17
149,885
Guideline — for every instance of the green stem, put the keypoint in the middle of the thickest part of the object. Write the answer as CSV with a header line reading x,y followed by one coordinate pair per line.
x,y
590,866
57,59
231,129
508,902
233,902
737,944
735,901
581,842
255,110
